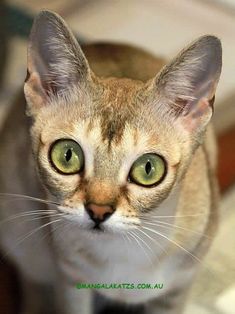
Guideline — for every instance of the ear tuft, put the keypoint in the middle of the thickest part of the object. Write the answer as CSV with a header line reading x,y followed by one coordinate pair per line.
x,y
192,75
184,91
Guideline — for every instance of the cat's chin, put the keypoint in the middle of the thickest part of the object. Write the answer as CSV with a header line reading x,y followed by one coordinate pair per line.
x,y
97,229
102,230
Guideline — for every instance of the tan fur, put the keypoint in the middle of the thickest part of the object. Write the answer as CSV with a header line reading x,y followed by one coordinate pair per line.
x,y
118,105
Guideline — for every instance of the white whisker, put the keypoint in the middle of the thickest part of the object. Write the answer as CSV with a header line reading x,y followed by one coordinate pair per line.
x,y
151,216
172,226
154,240
174,242
47,216
146,244
30,234
28,213
29,198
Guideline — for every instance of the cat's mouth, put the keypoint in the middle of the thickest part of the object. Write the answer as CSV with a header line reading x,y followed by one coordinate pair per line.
x,y
97,228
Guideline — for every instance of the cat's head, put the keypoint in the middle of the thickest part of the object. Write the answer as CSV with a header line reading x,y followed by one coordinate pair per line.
x,y
111,150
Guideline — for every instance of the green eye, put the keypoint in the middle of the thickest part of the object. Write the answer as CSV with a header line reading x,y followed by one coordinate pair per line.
x,y
148,170
67,156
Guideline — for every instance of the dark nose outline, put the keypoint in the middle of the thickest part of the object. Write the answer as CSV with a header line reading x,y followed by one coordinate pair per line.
x,y
99,213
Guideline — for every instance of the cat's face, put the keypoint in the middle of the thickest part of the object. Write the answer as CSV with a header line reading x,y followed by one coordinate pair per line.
x,y
118,153
112,150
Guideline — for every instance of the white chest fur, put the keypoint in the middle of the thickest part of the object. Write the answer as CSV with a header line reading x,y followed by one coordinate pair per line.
x,y
118,259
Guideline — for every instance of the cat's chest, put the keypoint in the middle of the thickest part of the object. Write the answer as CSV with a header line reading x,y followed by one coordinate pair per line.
x,y
132,258
109,257
126,263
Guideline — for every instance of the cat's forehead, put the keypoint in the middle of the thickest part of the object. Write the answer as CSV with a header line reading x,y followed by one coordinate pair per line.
x,y
110,105
106,132
117,106
115,112
114,126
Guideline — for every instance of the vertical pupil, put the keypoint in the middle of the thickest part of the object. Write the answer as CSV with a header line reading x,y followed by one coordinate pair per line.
x,y
68,154
148,167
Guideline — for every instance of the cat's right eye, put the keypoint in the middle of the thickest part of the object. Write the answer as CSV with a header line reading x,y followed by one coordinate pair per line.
x,y
66,156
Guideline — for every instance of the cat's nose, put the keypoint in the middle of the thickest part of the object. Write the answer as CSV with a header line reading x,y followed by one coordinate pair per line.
x,y
99,213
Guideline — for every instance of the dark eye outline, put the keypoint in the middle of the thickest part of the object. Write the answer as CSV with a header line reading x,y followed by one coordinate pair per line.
x,y
52,163
133,181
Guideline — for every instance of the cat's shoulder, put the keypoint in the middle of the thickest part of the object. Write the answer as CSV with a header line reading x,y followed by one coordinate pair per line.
x,y
122,60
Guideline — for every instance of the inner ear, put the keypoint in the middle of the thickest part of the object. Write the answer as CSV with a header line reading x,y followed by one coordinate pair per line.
x,y
194,73
55,60
186,86
198,117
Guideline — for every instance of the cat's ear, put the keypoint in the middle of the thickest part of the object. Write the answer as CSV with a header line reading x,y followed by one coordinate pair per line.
x,y
55,61
187,84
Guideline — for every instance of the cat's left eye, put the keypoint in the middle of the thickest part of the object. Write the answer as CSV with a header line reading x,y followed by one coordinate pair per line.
x,y
148,170
66,156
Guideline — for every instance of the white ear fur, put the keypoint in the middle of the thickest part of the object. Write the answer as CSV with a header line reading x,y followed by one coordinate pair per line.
x,y
187,84
55,60
194,73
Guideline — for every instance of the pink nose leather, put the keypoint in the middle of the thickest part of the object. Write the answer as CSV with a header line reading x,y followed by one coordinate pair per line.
x,y
99,212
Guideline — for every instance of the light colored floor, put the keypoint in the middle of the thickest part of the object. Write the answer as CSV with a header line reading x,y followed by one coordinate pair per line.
x,y
162,27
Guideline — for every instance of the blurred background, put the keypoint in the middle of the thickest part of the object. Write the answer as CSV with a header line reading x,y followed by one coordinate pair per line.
x,y
162,27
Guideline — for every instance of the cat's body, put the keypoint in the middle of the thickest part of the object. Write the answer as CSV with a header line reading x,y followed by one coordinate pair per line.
x,y
73,253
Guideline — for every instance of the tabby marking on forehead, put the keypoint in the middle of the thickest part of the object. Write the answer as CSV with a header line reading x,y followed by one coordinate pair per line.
x,y
118,106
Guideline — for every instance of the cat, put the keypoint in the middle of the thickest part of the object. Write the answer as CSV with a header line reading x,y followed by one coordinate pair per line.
x,y
120,186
